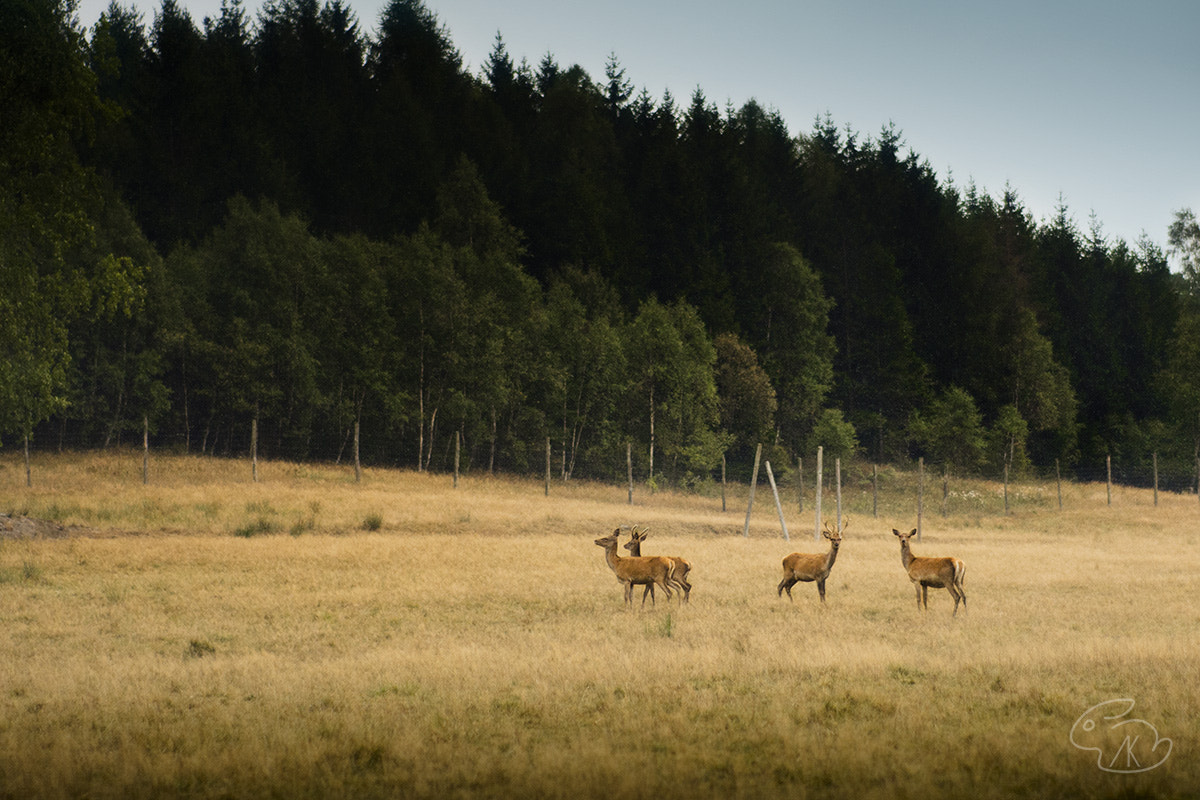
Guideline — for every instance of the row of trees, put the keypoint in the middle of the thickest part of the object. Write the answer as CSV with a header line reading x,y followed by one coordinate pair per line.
x,y
289,220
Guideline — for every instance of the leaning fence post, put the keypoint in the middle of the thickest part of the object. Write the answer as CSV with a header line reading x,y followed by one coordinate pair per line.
x,y
753,484
778,505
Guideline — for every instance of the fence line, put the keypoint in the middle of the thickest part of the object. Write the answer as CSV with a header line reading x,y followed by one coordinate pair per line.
x,y
960,494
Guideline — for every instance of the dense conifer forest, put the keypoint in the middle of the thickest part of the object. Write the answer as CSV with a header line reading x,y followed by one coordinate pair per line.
x,y
282,218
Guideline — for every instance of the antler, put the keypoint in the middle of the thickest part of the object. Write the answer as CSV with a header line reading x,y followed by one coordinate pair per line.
x,y
838,529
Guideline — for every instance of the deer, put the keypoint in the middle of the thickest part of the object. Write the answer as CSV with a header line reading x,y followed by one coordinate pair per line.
x,y
682,566
809,567
940,573
641,571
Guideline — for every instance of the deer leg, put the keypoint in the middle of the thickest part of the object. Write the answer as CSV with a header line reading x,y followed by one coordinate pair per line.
x,y
821,589
666,587
629,594
918,586
786,583
648,590
957,594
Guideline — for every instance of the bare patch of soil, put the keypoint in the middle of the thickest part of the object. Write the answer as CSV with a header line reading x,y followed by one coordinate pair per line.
x,y
19,527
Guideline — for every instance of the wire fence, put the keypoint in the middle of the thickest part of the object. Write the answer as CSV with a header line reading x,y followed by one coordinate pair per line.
x,y
909,491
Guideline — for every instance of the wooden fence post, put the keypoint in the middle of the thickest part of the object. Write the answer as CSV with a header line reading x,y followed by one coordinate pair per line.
x,y
778,505
1156,480
1108,483
875,491
145,449
800,482
920,494
629,468
837,471
722,483
358,464
753,485
28,471
1058,480
945,490
457,452
254,448
820,486
547,466
1006,490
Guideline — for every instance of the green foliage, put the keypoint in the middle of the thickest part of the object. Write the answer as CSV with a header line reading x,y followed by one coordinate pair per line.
x,y
1184,239
951,431
1007,443
791,332
833,433
747,398
52,270
672,363
529,253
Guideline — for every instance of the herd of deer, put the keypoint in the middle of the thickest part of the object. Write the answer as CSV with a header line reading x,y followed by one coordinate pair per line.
x,y
670,573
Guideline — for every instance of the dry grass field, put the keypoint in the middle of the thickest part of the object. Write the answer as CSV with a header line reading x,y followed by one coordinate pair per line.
x,y
308,636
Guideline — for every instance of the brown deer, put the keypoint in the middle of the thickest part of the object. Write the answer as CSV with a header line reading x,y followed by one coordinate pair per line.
x,y
940,573
810,567
682,566
643,571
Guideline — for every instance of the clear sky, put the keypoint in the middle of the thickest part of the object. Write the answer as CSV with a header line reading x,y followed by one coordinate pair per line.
x,y
1096,102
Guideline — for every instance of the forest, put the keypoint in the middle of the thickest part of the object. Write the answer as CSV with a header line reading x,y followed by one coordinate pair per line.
x,y
287,224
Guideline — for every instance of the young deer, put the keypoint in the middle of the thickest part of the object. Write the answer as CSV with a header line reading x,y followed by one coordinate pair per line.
x,y
644,571
682,567
940,573
810,567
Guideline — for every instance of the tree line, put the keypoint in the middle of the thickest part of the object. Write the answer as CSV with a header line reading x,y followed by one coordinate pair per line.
x,y
289,220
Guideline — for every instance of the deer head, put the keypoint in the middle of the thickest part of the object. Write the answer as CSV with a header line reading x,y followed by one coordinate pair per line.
x,y
834,533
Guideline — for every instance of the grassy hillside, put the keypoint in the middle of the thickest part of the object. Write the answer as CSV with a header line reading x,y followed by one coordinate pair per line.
x,y
307,636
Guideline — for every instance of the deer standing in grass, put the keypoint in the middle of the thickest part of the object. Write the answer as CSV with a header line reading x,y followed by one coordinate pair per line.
x,y
682,567
643,571
809,567
940,573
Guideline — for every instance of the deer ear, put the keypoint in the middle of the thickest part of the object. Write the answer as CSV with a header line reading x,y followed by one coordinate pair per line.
x,y
913,532
895,531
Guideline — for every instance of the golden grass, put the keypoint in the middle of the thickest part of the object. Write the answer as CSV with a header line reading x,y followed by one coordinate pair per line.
x,y
477,645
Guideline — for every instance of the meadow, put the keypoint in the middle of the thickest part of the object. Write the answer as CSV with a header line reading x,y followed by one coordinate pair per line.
x,y
309,636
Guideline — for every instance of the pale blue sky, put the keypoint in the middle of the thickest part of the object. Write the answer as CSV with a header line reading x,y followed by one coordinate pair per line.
x,y
1096,102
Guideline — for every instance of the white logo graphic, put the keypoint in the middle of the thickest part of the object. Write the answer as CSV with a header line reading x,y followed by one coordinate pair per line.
x,y
1121,745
